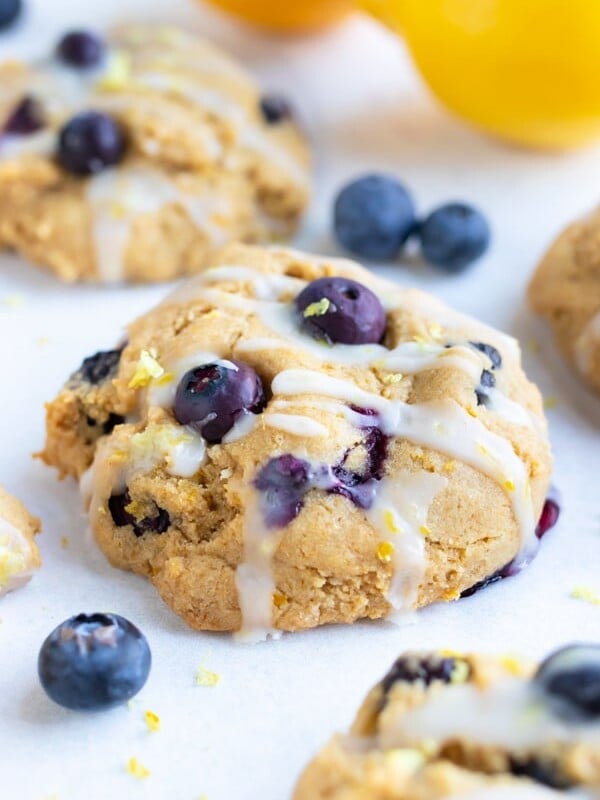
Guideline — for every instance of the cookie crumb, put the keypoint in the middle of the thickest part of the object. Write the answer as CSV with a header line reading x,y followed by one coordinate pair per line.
x,y
136,769
587,594
152,721
280,600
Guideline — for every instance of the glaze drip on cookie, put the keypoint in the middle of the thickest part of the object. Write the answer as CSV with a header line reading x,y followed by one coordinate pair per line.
x,y
366,469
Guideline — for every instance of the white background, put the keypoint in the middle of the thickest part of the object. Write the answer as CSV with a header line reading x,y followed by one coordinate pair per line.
x,y
278,702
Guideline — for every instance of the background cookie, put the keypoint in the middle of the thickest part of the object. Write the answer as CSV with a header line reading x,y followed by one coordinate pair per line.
x,y
444,725
19,555
316,481
565,290
181,154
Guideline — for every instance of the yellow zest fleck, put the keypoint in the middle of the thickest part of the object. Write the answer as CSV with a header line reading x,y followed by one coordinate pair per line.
x,y
317,309
425,530
64,542
460,672
280,600
390,521
385,551
147,369
206,677
482,449
394,377
513,664
165,379
152,721
447,652
136,769
471,411
449,466
118,210
451,594
587,594
14,300
509,485
435,330
43,340
118,72
550,402
406,759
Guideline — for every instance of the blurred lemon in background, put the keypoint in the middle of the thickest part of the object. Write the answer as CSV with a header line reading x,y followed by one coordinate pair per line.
x,y
288,15
525,70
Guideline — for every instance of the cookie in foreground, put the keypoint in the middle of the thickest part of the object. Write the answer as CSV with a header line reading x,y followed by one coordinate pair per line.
x,y
132,158
289,441
19,555
565,290
445,725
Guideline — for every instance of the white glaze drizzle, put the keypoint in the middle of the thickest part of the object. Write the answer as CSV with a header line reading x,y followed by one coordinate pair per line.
x,y
508,714
16,558
296,424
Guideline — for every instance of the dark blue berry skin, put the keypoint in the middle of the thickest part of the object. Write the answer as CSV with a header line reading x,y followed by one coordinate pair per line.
x,y
89,143
9,11
157,523
284,481
570,678
211,397
350,313
93,662
454,236
80,49
425,668
97,368
487,381
27,117
275,109
373,217
490,351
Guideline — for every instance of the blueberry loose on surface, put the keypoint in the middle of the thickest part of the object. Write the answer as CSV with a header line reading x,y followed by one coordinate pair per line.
x,y
373,217
340,310
275,109
95,369
158,522
211,397
570,678
94,661
80,49
90,142
283,481
453,236
9,11
27,117
548,518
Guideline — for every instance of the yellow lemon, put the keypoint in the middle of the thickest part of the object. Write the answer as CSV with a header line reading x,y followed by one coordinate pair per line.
x,y
525,70
288,15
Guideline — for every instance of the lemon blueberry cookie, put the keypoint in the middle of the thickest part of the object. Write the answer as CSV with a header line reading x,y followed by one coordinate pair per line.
x,y
566,291
19,555
132,158
288,441
444,725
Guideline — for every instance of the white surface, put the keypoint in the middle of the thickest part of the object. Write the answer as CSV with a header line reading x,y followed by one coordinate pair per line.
x,y
248,737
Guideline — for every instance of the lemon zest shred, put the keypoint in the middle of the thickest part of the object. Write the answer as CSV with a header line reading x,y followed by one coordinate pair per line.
x,y
587,594
136,769
152,721
385,551
317,309
146,370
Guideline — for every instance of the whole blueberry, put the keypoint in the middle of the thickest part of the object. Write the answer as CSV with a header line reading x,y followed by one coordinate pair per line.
x,y
9,11
93,662
453,236
373,217
283,481
90,142
211,397
95,369
27,117
548,517
275,109
570,677
153,523
340,310
80,49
